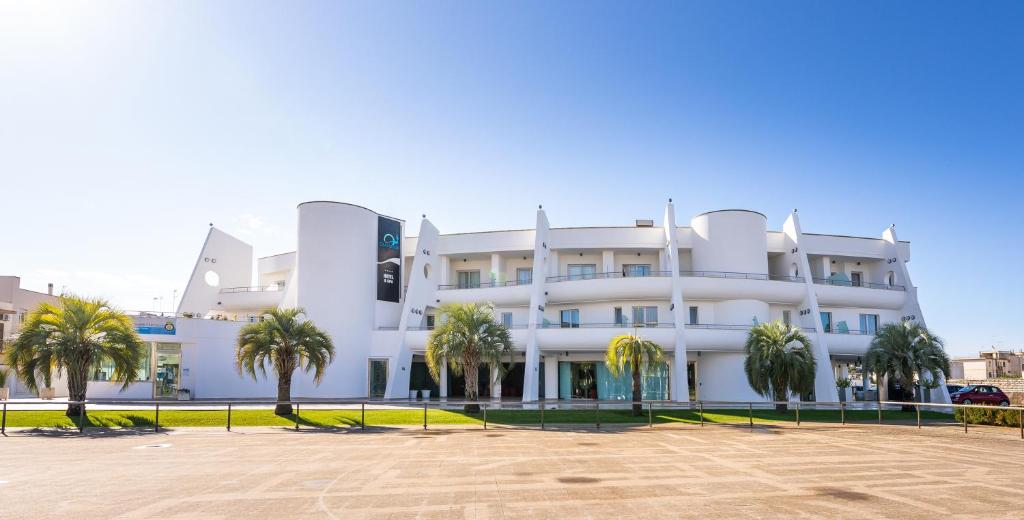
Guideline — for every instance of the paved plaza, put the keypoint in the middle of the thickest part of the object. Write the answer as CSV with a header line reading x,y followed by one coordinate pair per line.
x,y
668,472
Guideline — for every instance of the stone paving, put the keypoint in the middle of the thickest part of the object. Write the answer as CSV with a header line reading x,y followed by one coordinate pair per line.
x,y
668,472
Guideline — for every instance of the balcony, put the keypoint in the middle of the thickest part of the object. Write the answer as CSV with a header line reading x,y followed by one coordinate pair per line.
x,y
416,338
609,285
250,298
511,292
719,337
725,285
596,336
848,293
849,342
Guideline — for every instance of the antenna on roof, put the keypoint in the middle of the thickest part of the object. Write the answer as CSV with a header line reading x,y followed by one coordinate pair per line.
x,y
540,206
670,199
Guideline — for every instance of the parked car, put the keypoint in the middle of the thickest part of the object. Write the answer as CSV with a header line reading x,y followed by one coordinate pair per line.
x,y
952,389
980,394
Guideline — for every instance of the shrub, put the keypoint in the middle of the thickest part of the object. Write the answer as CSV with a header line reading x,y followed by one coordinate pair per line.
x,y
989,416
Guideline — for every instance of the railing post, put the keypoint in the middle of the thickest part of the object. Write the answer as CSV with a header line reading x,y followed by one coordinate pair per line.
x,y
425,415
229,416
1020,416
296,416
81,417
542,407
798,413
917,408
964,412
750,411
485,416
701,406
362,415
842,412
3,422
597,414
879,405
156,423
650,416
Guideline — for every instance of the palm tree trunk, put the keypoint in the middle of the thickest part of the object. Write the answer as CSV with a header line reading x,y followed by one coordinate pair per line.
x,y
781,407
638,407
284,395
78,381
471,372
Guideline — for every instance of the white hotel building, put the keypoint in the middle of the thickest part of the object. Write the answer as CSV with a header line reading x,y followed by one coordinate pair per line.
x,y
694,289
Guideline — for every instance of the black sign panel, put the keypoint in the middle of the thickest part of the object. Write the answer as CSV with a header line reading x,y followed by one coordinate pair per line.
x,y
389,259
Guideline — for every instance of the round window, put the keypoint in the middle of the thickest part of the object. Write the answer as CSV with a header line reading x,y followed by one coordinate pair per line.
x,y
212,278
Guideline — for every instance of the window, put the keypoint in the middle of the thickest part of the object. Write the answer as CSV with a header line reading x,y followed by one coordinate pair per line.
x,y
506,319
582,271
524,275
645,316
856,278
787,318
826,321
378,378
570,319
868,323
891,278
430,322
636,270
618,316
104,370
694,315
469,279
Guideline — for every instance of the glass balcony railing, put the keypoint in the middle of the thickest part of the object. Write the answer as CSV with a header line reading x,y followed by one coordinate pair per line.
x,y
509,283
256,288
605,325
856,283
607,275
741,276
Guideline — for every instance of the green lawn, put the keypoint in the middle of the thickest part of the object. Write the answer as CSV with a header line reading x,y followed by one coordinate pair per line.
x,y
348,418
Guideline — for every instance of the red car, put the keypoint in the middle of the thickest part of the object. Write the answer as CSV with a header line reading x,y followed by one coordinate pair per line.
x,y
980,394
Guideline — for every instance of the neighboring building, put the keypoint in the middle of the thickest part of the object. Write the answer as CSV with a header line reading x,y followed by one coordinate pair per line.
x,y
990,364
15,303
564,293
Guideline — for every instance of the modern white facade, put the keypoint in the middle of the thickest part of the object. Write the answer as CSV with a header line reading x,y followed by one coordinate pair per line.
x,y
694,288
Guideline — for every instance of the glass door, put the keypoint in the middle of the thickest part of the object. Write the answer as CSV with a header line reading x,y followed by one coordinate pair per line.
x,y
168,370
378,380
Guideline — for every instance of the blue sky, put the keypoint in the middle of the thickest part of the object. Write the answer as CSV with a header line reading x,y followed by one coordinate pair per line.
x,y
127,127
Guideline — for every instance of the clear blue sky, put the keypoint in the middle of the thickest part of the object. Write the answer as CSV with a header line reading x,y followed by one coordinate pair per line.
x,y
126,127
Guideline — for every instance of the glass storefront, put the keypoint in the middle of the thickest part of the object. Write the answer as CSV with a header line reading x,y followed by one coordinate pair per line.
x,y
593,380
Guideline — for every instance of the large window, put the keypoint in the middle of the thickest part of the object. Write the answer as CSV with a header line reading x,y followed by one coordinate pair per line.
x,y
469,279
506,319
524,275
582,271
104,370
694,315
645,316
868,323
378,378
787,318
636,269
570,318
857,279
826,321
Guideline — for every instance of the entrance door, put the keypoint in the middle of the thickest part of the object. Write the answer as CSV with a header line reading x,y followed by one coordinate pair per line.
x,y
691,379
584,381
168,370
378,378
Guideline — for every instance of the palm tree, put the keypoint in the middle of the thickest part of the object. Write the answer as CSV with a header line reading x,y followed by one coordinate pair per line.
x,y
630,352
285,341
779,361
467,336
74,336
903,350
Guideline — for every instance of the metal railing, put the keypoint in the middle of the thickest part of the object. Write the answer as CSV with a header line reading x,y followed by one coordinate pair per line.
x,y
851,283
669,411
607,275
742,276
483,285
256,288
609,325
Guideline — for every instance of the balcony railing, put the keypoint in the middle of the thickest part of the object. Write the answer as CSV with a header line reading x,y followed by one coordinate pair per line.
x,y
742,276
852,283
721,326
610,274
559,325
835,330
256,288
509,283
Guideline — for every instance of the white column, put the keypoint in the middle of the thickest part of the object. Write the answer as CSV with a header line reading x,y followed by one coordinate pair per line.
x,y
551,377
495,383
443,390
679,385
826,266
607,261
497,268
446,268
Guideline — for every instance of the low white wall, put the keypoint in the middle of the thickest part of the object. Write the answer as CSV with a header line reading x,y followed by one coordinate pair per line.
x,y
720,377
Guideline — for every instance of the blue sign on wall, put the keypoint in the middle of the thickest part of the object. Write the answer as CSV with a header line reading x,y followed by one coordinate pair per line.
x,y
155,325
